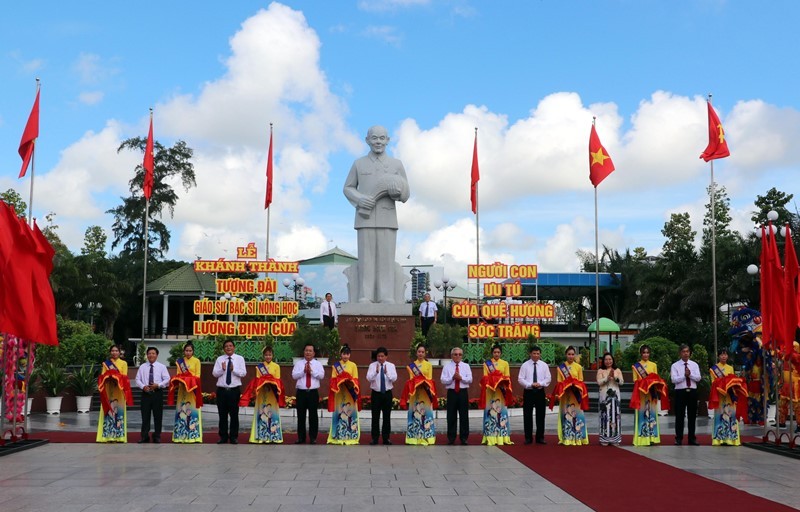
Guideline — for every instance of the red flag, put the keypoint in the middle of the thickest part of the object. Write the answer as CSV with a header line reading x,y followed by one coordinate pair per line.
x,y
45,313
766,307
148,163
600,164
29,136
268,197
476,176
717,145
774,290
790,274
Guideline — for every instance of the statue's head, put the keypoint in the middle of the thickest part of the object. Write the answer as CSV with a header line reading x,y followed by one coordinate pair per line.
x,y
377,139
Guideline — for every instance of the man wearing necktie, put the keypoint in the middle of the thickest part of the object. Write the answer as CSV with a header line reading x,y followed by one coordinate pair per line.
x,y
456,377
152,378
229,369
685,374
428,313
534,377
307,373
381,376
327,312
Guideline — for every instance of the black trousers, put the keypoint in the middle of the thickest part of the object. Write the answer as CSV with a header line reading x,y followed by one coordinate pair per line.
x,y
329,321
307,401
381,406
228,406
457,404
426,322
685,402
533,399
152,404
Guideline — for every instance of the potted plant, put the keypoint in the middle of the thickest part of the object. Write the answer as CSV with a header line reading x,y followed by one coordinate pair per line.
x,y
54,382
33,387
83,382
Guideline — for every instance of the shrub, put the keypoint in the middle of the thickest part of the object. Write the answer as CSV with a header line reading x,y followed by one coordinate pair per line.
x,y
84,380
53,379
663,352
78,349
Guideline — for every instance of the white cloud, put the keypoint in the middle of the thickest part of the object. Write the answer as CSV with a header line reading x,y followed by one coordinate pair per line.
x,y
93,69
385,33
389,5
91,97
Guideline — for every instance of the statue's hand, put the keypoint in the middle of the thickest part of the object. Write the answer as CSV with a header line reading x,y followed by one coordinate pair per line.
x,y
394,189
366,203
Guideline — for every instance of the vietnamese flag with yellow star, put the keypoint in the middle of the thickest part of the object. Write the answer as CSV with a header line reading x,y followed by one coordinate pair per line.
x,y
717,144
600,164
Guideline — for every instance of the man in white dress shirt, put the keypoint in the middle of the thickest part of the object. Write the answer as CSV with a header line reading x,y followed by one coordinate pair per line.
x,y
381,376
307,372
428,313
456,377
152,378
327,312
534,377
229,369
685,374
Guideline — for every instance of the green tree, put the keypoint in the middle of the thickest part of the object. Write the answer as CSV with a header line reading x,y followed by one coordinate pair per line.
x,y
12,198
94,242
128,226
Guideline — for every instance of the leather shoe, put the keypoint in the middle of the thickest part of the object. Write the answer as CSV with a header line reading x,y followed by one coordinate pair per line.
x,y
156,440
464,442
143,440
529,441
300,441
678,442
222,441
234,441
313,441
386,441
373,442
451,443
694,442
541,441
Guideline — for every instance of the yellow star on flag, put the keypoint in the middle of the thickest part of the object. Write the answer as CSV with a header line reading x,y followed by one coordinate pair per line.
x,y
599,157
721,134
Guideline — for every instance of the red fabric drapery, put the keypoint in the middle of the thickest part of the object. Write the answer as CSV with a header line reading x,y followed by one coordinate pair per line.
x,y
122,382
192,385
568,384
725,385
651,383
347,380
255,386
411,388
495,381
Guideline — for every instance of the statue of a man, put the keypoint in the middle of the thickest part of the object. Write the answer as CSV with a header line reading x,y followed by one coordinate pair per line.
x,y
375,182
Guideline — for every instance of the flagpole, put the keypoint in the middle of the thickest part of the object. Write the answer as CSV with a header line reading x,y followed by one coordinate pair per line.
x,y
477,239
713,248
33,166
269,207
596,270
146,241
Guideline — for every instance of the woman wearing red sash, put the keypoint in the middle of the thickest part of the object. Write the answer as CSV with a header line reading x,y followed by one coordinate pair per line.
x,y
647,388
419,396
266,390
188,419
495,394
115,395
573,399
344,401
725,386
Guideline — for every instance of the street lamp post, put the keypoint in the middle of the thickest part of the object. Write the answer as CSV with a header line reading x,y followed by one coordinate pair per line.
x,y
294,284
445,285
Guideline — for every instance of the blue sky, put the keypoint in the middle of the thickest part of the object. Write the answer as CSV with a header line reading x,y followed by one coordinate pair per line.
x,y
529,75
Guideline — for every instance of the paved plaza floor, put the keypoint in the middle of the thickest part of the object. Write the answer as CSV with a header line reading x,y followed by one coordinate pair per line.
x,y
208,477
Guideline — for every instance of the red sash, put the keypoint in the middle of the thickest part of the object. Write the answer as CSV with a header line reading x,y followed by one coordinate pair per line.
x,y
122,382
651,383
729,384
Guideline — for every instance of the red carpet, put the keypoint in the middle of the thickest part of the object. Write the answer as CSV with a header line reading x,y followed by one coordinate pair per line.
x,y
612,479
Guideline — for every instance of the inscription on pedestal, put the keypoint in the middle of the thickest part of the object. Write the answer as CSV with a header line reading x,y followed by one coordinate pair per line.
x,y
365,333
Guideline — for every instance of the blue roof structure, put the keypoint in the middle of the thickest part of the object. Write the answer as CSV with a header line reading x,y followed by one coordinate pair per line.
x,y
559,286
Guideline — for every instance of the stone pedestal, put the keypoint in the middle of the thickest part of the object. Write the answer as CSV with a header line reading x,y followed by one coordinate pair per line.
x,y
365,327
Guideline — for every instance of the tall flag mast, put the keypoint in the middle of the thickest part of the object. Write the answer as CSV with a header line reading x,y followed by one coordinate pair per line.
x,y
717,148
147,190
473,195
600,166
27,146
268,196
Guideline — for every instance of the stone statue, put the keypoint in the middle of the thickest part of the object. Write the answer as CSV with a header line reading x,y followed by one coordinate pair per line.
x,y
376,181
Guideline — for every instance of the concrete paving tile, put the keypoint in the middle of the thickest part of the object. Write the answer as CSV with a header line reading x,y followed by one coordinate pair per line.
x,y
315,508
326,491
284,500
345,501
427,491
372,491
225,501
